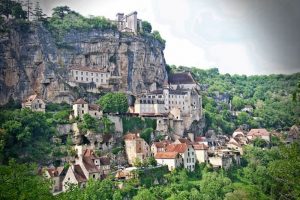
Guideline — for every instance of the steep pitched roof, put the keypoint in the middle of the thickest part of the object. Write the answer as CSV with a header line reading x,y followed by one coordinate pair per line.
x,y
54,172
234,142
162,144
166,155
104,161
200,147
90,165
80,101
184,140
94,107
200,139
181,78
258,132
78,173
180,148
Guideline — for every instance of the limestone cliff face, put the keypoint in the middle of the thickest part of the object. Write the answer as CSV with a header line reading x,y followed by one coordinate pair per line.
x,y
32,61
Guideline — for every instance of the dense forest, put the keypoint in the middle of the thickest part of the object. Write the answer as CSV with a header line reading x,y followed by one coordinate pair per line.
x,y
271,96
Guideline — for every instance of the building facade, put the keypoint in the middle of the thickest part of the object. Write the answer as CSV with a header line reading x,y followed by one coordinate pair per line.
x,y
34,103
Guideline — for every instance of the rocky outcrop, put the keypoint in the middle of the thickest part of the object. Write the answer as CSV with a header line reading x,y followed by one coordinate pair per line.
x,y
33,61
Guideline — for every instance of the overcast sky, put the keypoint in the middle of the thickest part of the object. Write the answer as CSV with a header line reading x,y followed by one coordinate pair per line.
x,y
237,36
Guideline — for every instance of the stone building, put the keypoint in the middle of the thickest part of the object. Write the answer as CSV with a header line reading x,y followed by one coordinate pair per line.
x,y
81,107
56,175
98,76
159,146
172,159
259,133
201,152
187,153
136,148
34,103
128,23
74,175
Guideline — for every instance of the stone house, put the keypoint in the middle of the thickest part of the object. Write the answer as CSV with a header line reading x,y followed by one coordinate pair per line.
x,y
95,75
81,107
128,23
104,166
56,175
136,148
259,133
159,146
187,154
235,144
89,162
201,152
172,159
74,175
34,103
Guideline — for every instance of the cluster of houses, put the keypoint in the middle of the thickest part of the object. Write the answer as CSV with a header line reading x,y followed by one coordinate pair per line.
x,y
219,151
87,165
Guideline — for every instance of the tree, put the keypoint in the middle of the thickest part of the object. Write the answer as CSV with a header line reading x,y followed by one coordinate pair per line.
x,y
146,134
26,135
146,26
20,181
114,102
144,194
157,36
237,103
38,12
8,7
61,11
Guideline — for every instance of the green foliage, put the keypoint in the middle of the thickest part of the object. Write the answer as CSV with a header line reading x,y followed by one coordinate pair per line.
x,y
146,134
20,181
146,26
157,36
114,102
137,124
25,135
54,107
64,19
258,142
271,96
8,7
144,194
90,123
62,117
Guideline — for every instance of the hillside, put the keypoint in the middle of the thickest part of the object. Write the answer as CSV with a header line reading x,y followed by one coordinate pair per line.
x,y
225,95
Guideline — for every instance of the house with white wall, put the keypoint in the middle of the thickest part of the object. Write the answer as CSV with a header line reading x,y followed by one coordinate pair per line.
x,y
172,159
187,154
34,103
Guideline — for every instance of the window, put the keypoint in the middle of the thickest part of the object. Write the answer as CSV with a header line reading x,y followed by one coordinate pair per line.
x,y
81,73
82,111
94,176
86,73
192,159
76,78
101,75
76,72
92,79
82,105
96,74
92,74
82,78
97,80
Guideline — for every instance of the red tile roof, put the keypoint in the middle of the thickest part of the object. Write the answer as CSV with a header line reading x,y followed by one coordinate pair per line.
x,y
199,139
166,155
180,148
184,140
258,132
79,175
162,144
200,147
80,101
